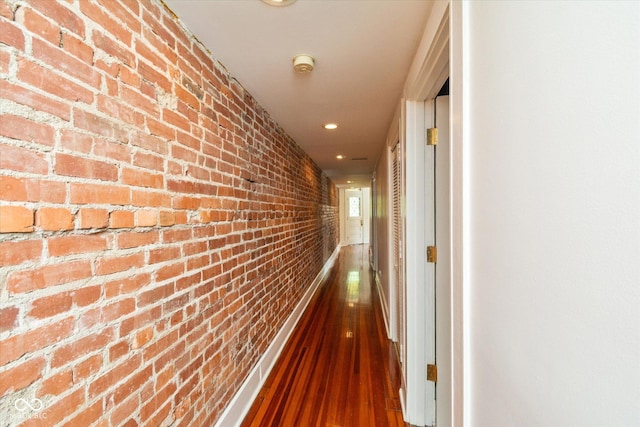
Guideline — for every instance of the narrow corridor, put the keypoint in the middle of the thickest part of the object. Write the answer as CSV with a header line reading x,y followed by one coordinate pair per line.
x,y
338,368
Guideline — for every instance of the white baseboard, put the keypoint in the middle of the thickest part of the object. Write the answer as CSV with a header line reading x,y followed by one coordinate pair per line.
x,y
385,306
240,404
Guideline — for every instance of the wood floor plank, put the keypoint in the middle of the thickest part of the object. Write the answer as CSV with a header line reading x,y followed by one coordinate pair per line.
x,y
338,368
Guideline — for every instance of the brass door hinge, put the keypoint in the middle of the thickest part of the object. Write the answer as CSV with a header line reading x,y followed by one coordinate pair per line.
x,y
432,136
432,254
432,373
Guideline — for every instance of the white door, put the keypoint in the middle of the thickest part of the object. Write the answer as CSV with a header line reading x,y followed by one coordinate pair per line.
x,y
443,264
354,217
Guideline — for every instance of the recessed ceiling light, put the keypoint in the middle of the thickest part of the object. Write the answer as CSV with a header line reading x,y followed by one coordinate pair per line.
x,y
278,2
339,157
349,182
331,126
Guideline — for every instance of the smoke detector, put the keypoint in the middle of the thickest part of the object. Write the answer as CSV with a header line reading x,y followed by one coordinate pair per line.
x,y
278,2
303,63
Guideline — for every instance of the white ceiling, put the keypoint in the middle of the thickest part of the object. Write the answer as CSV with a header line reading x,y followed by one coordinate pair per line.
x,y
363,50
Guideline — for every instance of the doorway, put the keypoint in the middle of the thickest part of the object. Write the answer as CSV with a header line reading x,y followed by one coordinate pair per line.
x,y
355,206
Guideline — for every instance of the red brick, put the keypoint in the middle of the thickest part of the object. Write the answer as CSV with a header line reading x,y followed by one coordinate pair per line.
x,y
101,384
127,285
128,77
164,253
158,28
11,35
49,81
111,150
146,218
16,219
12,188
141,102
167,218
5,59
37,24
34,100
57,12
46,191
21,376
56,384
77,48
54,219
6,11
55,413
17,252
98,125
121,219
133,384
93,218
124,411
103,19
150,198
159,129
109,265
18,345
17,127
67,245
65,354
142,178
117,309
8,318
87,417
114,48
50,305
86,296
118,11
91,193
49,275
177,120
155,294
142,337
169,271
87,367
68,64
135,239
148,161
77,166
77,142
119,350
116,109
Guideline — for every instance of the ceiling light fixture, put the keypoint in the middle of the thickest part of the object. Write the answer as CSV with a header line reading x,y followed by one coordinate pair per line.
x,y
331,126
278,2
303,63
339,157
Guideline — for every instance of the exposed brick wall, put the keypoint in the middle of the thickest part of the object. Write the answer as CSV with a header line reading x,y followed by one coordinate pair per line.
x,y
156,225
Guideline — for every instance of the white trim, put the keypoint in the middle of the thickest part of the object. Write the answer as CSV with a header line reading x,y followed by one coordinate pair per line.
x,y
237,409
429,70
416,281
460,216
383,303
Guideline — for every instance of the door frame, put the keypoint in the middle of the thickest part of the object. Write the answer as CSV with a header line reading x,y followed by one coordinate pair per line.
x,y
428,72
347,218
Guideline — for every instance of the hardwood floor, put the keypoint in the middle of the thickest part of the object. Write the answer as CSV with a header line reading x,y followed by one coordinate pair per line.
x,y
338,367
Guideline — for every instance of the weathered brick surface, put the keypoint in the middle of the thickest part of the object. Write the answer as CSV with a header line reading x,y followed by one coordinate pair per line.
x,y
156,225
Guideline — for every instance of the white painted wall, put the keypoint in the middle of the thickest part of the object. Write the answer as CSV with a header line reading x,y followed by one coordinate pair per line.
x,y
550,119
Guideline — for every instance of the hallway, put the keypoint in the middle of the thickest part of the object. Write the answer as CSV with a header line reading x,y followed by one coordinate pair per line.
x,y
338,368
